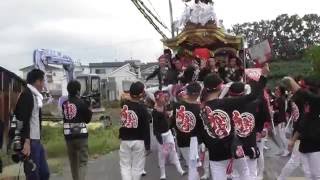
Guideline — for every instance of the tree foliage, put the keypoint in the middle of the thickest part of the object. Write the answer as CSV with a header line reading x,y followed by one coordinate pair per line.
x,y
289,35
313,54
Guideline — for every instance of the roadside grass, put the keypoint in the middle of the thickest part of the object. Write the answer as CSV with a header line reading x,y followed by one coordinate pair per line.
x,y
101,141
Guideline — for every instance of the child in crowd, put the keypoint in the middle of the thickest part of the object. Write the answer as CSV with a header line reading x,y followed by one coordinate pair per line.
x,y
166,144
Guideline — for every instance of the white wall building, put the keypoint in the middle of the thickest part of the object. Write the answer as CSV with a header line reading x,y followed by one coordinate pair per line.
x,y
56,77
123,78
120,74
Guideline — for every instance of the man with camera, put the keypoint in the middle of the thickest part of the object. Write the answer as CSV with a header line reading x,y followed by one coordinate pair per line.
x,y
27,144
76,116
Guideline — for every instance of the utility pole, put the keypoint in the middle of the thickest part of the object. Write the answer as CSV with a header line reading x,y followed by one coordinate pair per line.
x,y
171,19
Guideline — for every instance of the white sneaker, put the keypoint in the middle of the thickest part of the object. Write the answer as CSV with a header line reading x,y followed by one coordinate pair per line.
x,y
163,177
266,147
285,154
144,173
205,176
183,173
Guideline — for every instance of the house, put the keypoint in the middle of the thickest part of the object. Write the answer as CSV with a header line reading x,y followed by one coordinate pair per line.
x,y
146,70
104,68
116,77
81,69
55,76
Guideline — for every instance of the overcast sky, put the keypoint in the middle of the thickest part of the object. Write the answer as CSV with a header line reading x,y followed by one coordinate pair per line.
x,y
109,30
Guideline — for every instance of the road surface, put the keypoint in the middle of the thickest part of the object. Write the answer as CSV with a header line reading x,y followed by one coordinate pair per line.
x,y
107,167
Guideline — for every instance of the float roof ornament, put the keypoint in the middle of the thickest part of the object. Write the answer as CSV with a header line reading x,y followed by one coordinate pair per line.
x,y
201,29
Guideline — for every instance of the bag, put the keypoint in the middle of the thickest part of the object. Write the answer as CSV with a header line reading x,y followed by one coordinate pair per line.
x,y
75,129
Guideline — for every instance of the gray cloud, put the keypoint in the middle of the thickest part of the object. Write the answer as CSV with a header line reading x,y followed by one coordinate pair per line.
x,y
105,30
86,30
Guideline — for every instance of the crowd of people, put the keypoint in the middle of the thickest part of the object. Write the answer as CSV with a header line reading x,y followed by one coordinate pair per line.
x,y
203,114
213,121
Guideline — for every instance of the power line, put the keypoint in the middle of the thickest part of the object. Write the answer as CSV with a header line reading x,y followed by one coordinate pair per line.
x,y
143,12
154,9
155,17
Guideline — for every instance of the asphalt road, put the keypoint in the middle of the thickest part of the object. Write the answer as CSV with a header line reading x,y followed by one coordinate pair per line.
x,y
107,167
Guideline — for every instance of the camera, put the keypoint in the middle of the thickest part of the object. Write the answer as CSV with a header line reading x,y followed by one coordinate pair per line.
x,y
15,133
86,99
17,145
28,164
92,99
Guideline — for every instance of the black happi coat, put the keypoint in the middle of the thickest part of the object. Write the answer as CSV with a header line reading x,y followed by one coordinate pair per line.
x,y
160,124
218,133
308,124
134,123
79,110
187,122
247,120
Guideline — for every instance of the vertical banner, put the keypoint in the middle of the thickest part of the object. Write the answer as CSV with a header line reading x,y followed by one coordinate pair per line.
x,y
261,53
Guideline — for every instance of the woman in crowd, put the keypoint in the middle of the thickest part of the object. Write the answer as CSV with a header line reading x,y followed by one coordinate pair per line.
x,y
280,119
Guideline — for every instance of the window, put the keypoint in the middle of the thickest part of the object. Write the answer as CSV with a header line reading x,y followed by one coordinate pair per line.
x,y
84,83
100,71
95,84
111,79
49,78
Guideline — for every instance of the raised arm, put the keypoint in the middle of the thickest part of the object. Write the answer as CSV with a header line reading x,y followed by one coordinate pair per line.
x,y
257,90
154,74
293,86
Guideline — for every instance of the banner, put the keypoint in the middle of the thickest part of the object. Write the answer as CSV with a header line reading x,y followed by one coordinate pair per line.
x,y
261,53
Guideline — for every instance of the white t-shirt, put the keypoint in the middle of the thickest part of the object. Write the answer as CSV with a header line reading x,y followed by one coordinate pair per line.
x,y
35,121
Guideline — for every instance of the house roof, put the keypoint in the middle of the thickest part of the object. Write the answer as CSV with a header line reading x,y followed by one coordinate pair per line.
x,y
119,69
116,64
148,65
108,64
11,74
32,67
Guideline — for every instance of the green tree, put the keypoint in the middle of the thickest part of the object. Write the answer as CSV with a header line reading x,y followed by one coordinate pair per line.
x,y
313,54
289,35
